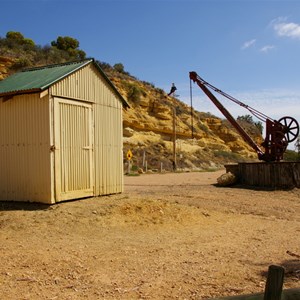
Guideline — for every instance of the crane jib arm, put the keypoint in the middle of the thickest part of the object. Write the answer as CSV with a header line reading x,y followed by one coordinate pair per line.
x,y
194,77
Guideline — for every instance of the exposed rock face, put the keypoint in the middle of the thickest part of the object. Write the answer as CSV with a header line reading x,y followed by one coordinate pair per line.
x,y
5,65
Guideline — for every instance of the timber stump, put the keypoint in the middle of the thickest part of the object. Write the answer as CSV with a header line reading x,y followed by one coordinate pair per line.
x,y
267,174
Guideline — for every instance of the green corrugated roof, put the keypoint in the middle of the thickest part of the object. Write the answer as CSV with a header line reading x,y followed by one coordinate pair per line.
x,y
40,78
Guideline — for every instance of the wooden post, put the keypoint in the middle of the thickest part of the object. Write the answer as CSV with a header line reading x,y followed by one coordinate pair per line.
x,y
144,158
128,166
274,284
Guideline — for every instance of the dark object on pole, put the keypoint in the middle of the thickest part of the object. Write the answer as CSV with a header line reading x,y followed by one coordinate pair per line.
x,y
173,89
278,133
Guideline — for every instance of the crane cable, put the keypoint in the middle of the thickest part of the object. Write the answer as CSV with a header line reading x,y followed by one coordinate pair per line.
x,y
261,116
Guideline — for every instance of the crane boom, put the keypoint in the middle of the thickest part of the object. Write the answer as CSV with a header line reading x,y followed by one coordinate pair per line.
x,y
226,113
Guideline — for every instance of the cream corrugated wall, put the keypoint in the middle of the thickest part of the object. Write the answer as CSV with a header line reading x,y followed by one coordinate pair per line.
x,y
87,85
25,149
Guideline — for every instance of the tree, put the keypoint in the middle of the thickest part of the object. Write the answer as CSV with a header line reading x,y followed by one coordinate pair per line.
x,y
259,125
81,54
65,43
70,45
15,35
246,118
249,119
297,145
18,38
119,67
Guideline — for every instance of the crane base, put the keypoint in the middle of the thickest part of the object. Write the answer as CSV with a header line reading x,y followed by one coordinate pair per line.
x,y
282,175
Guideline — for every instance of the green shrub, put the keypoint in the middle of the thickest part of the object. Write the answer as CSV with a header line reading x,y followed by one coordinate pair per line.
x,y
134,92
290,155
21,63
119,68
228,155
15,35
104,66
134,168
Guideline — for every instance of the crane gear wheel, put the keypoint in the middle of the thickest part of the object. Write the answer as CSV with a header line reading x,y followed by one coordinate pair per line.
x,y
290,128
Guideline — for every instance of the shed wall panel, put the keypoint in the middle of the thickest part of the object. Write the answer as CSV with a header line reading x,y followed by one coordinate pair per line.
x,y
25,149
88,85
108,151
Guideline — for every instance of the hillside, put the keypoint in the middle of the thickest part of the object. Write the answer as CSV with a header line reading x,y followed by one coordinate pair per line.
x,y
149,130
149,122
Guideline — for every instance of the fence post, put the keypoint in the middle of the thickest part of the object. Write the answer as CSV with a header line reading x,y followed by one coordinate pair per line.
x,y
144,158
129,167
274,284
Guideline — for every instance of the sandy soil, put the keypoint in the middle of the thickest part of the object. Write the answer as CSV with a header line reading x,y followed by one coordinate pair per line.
x,y
168,236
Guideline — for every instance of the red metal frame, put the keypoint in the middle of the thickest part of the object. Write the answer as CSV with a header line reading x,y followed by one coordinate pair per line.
x,y
275,142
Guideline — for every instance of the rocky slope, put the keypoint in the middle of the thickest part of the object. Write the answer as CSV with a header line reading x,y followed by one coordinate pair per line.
x,y
6,64
203,141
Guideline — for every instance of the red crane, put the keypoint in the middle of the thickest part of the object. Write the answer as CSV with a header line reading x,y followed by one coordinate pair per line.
x,y
278,133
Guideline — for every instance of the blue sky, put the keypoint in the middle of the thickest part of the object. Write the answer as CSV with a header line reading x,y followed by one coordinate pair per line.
x,y
247,48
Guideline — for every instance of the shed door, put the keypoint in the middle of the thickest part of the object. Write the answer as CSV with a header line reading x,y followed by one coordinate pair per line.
x,y
73,149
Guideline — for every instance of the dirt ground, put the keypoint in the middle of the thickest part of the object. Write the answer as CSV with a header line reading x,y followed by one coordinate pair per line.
x,y
168,236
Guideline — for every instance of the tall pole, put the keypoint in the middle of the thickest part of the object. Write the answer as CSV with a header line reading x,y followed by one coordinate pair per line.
x,y
172,93
174,140
192,117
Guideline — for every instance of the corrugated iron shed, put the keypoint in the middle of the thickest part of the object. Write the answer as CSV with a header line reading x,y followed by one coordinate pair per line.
x,y
60,134
40,78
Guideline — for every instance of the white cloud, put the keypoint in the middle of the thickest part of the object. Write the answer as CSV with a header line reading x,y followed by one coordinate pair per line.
x,y
283,28
248,44
267,48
